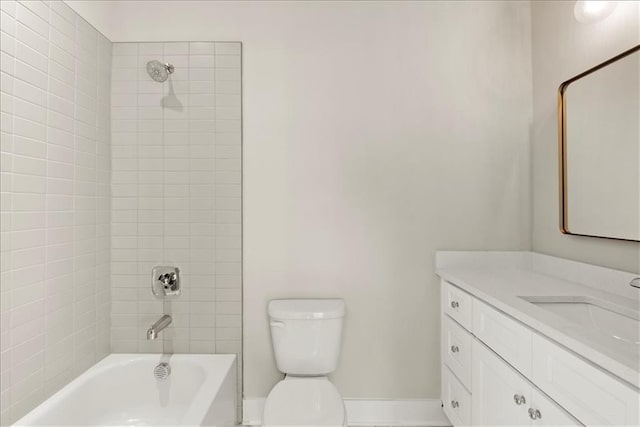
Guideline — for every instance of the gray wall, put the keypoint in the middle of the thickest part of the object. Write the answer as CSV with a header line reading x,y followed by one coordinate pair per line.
x,y
375,133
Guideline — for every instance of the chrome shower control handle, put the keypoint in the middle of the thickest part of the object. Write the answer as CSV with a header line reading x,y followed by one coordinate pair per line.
x,y
519,399
168,279
165,281
455,304
454,349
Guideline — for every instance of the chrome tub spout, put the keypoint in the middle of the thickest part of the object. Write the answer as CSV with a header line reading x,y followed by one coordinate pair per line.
x,y
154,330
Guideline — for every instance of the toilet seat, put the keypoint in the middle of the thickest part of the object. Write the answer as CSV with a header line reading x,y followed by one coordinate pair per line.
x,y
304,402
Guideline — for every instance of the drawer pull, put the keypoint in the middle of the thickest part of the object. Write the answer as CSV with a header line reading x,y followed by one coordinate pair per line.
x,y
519,399
534,414
455,304
454,349
454,404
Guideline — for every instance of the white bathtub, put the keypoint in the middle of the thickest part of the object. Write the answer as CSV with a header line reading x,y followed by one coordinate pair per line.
x,y
121,390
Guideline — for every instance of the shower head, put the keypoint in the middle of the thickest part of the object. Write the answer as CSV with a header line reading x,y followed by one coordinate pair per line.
x,y
159,71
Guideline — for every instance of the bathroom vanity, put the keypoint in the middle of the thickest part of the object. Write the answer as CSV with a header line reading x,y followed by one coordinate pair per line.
x,y
529,339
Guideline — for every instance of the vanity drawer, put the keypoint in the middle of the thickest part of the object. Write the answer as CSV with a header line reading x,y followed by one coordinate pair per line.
x,y
457,304
510,339
456,351
592,395
456,399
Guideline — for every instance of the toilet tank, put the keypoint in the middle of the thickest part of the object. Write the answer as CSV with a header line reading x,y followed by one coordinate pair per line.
x,y
306,334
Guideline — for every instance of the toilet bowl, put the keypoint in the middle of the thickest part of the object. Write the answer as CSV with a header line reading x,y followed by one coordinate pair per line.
x,y
306,338
313,401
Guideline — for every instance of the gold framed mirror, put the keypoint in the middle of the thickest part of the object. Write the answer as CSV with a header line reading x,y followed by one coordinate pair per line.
x,y
599,150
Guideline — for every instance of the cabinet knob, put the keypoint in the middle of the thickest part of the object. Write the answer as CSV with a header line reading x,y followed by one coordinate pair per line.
x,y
454,349
534,414
520,400
454,404
454,304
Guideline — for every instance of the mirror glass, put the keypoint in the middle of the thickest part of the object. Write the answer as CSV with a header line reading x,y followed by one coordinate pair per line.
x,y
600,150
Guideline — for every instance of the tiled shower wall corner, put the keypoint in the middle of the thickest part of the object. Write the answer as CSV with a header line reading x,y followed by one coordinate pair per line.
x,y
176,185
55,201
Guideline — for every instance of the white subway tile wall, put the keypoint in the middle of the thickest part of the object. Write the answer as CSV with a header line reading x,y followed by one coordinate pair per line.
x,y
55,201
176,185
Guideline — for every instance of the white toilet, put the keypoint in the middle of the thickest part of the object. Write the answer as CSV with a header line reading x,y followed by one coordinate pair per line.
x,y
306,337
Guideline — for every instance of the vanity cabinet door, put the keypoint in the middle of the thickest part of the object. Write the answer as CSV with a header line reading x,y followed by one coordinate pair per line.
x,y
545,412
456,399
592,395
499,395
456,351
507,337
457,304
502,396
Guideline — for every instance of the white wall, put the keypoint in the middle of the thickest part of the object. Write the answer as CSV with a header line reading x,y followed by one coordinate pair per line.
x,y
562,48
55,201
374,134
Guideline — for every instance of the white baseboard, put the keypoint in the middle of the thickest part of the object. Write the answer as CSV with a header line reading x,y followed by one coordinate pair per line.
x,y
364,412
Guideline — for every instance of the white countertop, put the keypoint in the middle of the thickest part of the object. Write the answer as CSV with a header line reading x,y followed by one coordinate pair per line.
x,y
502,286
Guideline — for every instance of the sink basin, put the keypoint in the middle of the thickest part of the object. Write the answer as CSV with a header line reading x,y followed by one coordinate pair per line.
x,y
615,321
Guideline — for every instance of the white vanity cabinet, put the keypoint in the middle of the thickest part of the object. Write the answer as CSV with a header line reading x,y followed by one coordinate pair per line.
x,y
498,371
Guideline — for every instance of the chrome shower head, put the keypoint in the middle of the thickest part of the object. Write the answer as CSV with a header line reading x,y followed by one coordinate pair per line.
x,y
159,71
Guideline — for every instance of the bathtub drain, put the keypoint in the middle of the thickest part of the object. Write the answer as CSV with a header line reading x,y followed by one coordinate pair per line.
x,y
162,371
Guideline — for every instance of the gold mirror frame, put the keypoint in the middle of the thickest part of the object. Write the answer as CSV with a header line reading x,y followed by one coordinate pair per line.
x,y
562,144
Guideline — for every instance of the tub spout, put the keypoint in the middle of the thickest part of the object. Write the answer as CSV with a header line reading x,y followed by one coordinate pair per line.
x,y
154,330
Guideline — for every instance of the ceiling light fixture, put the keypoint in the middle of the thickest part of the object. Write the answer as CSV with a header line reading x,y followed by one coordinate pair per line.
x,y
589,11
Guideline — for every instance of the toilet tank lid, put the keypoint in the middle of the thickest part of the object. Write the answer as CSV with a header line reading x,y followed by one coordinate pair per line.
x,y
306,308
